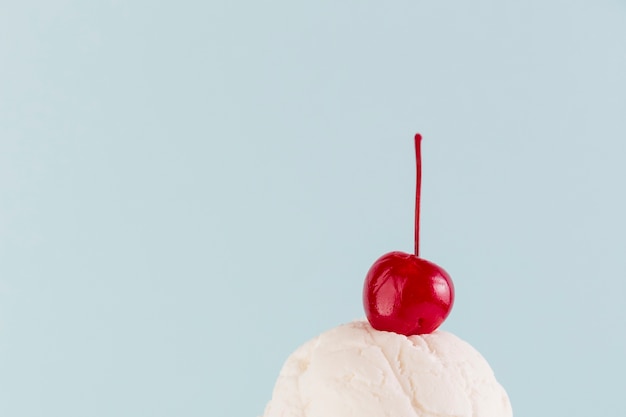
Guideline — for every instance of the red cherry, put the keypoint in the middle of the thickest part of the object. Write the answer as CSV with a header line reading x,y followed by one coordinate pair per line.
x,y
404,293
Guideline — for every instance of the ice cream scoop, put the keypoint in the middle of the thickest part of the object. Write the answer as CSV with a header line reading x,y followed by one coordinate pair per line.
x,y
396,364
355,370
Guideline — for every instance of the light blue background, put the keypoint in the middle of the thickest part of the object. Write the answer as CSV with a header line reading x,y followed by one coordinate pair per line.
x,y
189,190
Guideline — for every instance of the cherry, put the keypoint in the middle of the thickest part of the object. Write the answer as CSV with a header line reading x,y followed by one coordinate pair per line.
x,y
404,293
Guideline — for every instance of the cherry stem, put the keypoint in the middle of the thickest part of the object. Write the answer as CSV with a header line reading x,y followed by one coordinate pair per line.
x,y
418,190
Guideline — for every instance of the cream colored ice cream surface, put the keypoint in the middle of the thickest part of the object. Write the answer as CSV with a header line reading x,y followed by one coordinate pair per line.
x,y
356,371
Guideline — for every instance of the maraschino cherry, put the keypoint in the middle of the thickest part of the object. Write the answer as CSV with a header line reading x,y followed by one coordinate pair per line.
x,y
404,293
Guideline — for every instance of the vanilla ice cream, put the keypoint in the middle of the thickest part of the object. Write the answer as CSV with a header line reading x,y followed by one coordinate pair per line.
x,y
356,371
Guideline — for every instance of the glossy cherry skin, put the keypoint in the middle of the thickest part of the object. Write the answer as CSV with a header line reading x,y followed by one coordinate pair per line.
x,y
406,294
